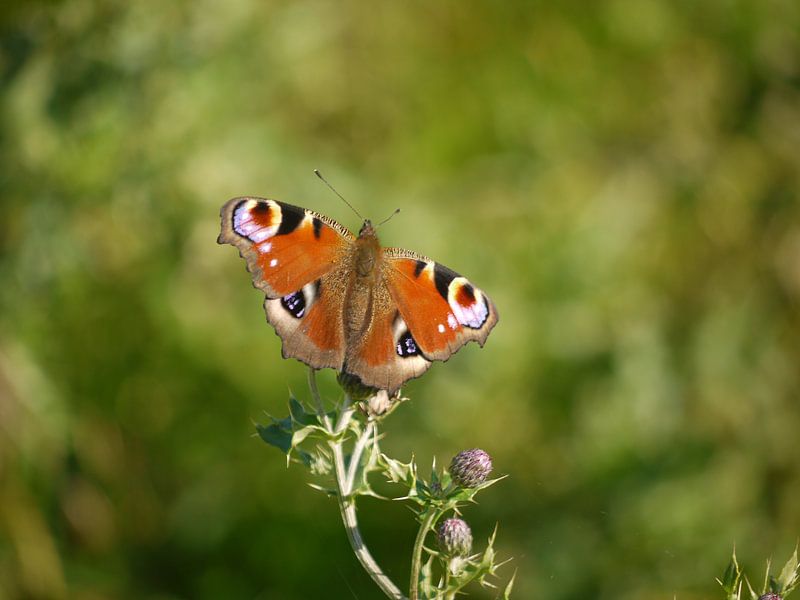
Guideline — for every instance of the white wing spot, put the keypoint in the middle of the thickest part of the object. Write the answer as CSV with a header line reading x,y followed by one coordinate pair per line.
x,y
273,262
441,328
451,321
265,248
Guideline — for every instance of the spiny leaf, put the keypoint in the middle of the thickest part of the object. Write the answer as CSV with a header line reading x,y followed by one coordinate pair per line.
x,y
319,463
400,472
507,591
369,464
277,436
731,577
301,434
300,415
788,579
426,586
753,595
328,491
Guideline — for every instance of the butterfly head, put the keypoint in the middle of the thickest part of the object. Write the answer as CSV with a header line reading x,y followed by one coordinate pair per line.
x,y
367,229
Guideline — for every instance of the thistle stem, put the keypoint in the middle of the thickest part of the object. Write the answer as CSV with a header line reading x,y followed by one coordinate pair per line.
x,y
428,521
450,595
347,508
312,384
355,458
345,481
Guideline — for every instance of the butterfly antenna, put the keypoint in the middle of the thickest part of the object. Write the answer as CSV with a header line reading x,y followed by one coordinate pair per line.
x,y
333,189
396,210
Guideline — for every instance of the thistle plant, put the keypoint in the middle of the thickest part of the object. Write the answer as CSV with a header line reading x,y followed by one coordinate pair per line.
x,y
339,444
773,587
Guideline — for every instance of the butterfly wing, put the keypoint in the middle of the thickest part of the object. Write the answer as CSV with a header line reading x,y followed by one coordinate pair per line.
x,y
442,310
385,356
422,311
297,257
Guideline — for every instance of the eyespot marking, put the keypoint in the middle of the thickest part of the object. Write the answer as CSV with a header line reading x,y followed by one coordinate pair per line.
x,y
406,346
256,220
465,295
298,303
295,304
468,303
260,213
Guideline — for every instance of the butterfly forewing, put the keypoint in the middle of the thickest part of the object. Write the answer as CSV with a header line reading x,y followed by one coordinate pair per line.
x,y
285,246
442,309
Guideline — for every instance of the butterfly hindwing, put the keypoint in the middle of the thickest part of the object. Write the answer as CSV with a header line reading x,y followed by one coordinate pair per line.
x,y
386,356
442,309
309,323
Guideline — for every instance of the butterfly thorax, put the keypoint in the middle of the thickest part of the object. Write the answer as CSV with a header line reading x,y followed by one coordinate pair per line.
x,y
364,294
368,250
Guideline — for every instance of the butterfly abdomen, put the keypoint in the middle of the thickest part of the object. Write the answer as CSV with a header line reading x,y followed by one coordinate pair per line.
x,y
364,293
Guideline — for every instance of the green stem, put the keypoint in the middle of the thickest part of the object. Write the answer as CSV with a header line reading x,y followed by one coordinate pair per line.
x,y
345,480
358,450
428,521
312,384
347,508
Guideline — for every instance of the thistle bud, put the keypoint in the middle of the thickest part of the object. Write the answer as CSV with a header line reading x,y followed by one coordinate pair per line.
x,y
470,468
770,596
455,538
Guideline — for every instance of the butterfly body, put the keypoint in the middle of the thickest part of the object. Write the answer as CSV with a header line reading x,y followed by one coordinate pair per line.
x,y
345,302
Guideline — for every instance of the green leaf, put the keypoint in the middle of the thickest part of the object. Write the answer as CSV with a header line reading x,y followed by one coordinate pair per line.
x,y
320,463
753,595
275,435
300,456
510,586
730,578
328,491
399,472
301,434
788,579
370,462
300,415
478,567
426,586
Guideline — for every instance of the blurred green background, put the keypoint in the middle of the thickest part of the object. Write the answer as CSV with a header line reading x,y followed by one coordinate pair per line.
x,y
620,176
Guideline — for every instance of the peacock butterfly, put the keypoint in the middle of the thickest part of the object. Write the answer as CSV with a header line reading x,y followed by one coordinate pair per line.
x,y
343,301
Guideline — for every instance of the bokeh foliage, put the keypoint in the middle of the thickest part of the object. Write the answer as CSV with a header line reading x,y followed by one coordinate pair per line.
x,y
620,176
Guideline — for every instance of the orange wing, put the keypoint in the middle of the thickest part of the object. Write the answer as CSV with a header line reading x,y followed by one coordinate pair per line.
x,y
442,309
385,357
297,257
285,246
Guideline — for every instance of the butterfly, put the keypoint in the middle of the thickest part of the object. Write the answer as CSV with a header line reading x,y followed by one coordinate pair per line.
x,y
343,301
